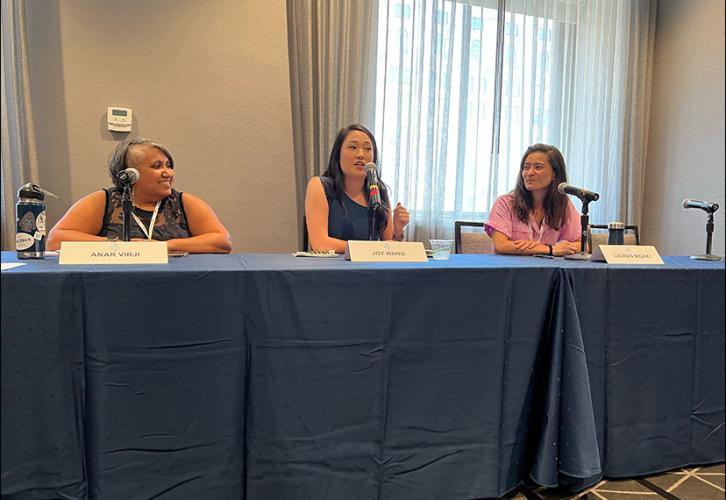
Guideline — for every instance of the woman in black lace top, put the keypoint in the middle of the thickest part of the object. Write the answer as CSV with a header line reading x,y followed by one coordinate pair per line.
x,y
160,212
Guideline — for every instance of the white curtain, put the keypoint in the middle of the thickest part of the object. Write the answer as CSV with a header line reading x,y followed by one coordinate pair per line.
x,y
465,86
19,155
332,50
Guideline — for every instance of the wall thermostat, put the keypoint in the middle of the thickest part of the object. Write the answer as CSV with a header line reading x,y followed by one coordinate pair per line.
x,y
119,119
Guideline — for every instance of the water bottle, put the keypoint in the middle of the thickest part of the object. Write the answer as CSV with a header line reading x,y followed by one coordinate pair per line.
x,y
616,233
30,217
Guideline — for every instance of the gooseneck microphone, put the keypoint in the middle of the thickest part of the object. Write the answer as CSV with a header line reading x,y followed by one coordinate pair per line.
x,y
374,194
581,193
127,176
585,197
709,208
706,206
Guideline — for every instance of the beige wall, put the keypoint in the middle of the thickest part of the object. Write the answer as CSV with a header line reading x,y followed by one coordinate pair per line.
x,y
686,143
208,79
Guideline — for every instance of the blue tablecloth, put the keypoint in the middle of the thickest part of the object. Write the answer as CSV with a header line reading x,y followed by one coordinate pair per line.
x,y
270,376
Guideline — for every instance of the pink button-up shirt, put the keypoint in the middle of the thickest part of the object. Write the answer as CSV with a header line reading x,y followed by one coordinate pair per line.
x,y
503,219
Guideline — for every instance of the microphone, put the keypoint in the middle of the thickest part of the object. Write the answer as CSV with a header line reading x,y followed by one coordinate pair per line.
x,y
374,195
128,176
703,205
581,193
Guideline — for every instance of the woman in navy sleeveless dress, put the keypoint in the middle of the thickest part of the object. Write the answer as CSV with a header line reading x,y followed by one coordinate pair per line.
x,y
336,203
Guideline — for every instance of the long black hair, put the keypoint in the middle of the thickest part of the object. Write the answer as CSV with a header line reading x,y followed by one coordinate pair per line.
x,y
335,174
554,203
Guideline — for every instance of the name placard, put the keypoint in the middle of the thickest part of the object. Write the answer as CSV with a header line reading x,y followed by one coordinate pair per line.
x,y
385,251
113,252
627,254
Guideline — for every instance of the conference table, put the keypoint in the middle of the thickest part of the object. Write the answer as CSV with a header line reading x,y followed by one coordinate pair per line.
x,y
272,376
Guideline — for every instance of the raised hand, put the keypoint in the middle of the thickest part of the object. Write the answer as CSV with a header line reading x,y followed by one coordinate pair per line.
x,y
401,218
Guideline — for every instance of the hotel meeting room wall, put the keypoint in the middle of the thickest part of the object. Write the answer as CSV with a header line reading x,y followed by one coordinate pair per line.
x,y
211,81
687,128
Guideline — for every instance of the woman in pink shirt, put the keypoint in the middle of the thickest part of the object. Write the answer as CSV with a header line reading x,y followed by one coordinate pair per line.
x,y
535,218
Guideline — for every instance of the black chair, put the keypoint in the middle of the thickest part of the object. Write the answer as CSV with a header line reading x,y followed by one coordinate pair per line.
x,y
477,241
600,235
306,243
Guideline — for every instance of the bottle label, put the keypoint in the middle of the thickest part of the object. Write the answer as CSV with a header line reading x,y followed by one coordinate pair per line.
x,y
40,223
31,226
27,222
23,241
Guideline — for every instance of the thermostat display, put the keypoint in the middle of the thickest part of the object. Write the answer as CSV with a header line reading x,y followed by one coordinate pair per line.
x,y
119,119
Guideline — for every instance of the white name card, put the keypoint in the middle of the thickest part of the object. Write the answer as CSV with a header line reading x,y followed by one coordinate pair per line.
x,y
627,254
385,251
113,252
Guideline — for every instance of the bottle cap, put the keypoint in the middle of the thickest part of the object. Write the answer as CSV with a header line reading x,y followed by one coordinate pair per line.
x,y
30,190
616,225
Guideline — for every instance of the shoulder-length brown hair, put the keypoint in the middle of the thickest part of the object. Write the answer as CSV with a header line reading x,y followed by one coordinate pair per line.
x,y
555,203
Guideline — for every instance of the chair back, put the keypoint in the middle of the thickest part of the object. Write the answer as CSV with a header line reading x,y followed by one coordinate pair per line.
x,y
597,234
306,243
470,237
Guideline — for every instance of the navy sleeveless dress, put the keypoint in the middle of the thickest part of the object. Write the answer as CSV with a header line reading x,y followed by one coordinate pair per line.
x,y
346,221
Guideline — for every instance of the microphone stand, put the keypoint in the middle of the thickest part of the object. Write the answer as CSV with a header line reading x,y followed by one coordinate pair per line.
x,y
372,223
584,223
126,206
709,239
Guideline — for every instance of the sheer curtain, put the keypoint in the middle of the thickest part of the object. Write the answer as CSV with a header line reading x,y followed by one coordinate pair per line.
x,y
332,52
19,154
464,86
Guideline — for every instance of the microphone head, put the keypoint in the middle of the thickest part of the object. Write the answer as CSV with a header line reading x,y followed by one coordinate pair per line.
x,y
706,206
128,176
561,187
374,194
371,173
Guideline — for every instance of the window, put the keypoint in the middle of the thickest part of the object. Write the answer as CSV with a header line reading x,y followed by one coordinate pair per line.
x,y
439,130
475,52
452,132
403,11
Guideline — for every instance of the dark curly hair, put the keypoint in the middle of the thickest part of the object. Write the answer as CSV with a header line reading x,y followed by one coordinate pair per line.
x,y
335,174
554,203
